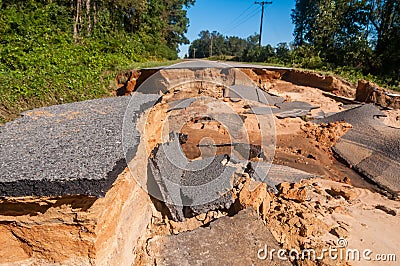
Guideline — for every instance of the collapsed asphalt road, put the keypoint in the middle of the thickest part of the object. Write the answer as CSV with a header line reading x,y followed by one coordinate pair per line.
x,y
69,149
76,148
54,158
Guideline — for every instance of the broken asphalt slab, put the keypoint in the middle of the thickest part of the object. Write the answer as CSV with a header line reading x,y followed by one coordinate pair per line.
x,y
253,94
242,151
189,187
274,174
65,149
73,148
370,147
180,104
233,240
293,109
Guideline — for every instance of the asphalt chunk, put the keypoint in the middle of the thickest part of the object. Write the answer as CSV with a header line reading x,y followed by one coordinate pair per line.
x,y
253,94
274,174
293,109
188,187
370,147
67,149
213,246
180,104
268,98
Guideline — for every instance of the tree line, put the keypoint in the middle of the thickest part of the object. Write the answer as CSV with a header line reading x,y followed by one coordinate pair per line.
x,y
214,44
360,35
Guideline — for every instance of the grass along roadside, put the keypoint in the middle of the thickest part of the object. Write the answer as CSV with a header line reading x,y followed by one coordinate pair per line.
x,y
65,83
87,78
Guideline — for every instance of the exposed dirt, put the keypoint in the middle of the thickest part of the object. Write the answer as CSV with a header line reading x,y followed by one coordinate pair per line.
x,y
327,210
128,81
263,77
328,83
392,118
74,230
312,214
371,93
311,95
306,146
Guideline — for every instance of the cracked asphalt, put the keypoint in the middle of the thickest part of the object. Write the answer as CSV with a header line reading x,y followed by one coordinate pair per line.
x,y
64,149
371,147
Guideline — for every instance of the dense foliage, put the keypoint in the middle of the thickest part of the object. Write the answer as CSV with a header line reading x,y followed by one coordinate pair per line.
x,y
56,51
215,44
361,34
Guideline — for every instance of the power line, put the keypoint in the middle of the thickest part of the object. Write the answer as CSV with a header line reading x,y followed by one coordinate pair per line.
x,y
263,3
237,18
244,20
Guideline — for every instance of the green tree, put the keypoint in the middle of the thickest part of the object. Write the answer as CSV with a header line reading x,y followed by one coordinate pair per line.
x,y
356,33
200,48
282,52
56,51
235,46
384,17
303,17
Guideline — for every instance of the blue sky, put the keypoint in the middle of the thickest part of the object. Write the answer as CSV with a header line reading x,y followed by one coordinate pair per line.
x,y
241,18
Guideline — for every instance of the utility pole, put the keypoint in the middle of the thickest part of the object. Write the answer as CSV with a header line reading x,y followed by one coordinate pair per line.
x,y
211,46
194,52
262,17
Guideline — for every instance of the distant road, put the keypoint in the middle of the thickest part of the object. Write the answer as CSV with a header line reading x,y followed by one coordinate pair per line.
x,y
202,63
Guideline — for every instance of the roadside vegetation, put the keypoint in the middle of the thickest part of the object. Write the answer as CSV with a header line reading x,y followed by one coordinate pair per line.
x,y
60,51
351,38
